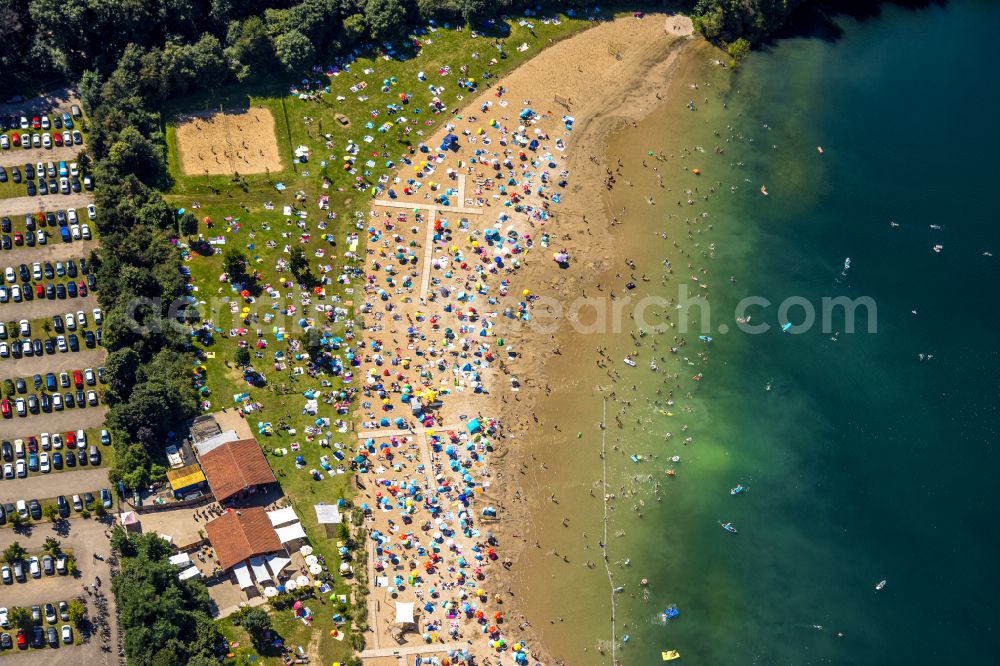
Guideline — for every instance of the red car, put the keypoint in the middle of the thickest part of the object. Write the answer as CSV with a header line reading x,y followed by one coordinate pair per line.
x,y
36,123
83,288
18,238
5,408
78,378
32,445
57,138
15,139
22,642
39,291
70,439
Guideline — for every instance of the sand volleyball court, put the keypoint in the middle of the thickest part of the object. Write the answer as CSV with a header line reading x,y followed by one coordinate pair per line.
x,y
217,142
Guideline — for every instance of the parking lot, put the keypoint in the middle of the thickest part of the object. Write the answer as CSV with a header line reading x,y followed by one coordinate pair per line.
x,y
53,220
83,538
83,480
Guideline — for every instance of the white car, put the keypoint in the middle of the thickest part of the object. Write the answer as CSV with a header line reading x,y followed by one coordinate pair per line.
x,y
67,634
4,622
91,211
64,185
40,236
47,140
34,567
22,508
98,316
89,376
22,469
15,294
71,215
56,437
81,438
25,326
74,169
4,350
85,231
43,463
36,141
61,343
8,470
8,273
70,322
21,405
57,402
81,318
4,142
46,442
36,271
75,230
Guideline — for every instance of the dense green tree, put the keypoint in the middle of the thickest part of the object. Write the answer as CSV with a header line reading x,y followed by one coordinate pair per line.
x,y
76,611
299,264
133,152
21,618
256,623
15,552
234,263
189,224
474,11
386,18
294,50
250,48
157,610
355,28
242,357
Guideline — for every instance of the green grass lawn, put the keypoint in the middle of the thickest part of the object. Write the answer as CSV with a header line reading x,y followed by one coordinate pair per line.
x,y
223,196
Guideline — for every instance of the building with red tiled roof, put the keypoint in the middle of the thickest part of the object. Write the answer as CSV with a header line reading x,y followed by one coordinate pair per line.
x,y
239,535
236,467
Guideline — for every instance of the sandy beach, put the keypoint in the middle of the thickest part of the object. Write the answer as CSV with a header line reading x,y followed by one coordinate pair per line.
x,y
460,246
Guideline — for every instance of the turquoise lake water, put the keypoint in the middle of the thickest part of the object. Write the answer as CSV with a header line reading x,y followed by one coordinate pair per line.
x,y
862,462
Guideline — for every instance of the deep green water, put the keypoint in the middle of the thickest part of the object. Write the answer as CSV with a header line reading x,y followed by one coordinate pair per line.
x,y
863,462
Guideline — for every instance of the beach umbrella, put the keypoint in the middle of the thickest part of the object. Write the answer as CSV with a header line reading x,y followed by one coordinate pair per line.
x,y
306,550
311,559
315,569
270,592
291,585
301,580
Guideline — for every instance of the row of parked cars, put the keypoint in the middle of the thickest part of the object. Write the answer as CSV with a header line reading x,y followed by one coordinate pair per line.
x,y
42,121
49,290
33,509
65,182
28,348
77,378
21,457
40,634
67,225
43,270
47,403
39,131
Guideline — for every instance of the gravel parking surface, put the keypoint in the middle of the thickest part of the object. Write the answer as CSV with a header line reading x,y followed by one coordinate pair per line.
x,y
43,308
84,538
56,363
54,250
19,156
53,202
69,483
68,419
